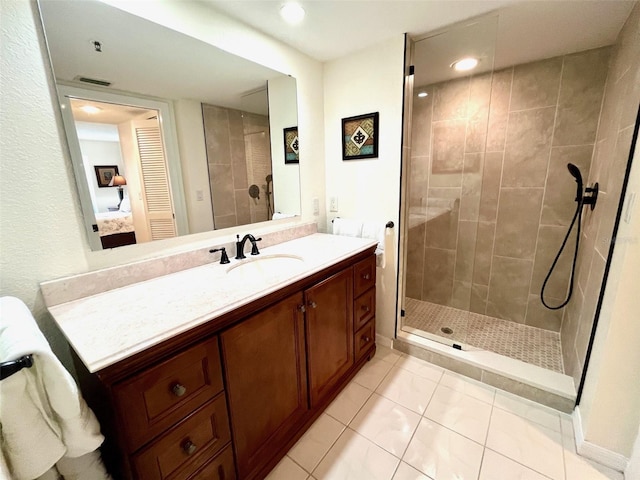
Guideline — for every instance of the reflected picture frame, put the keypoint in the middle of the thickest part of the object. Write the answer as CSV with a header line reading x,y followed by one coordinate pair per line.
x,y
104,174
291,145
360,136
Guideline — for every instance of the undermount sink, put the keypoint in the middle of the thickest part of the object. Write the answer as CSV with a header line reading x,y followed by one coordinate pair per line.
x,y
267,265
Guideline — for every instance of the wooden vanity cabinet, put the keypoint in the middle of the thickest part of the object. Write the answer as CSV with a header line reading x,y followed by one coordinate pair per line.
x,y
265,372
227,399
329,331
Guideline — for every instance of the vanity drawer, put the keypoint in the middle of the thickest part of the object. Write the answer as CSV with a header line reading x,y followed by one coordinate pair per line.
x,y
364,308
185,448
157,398
365,338
221,467
364,275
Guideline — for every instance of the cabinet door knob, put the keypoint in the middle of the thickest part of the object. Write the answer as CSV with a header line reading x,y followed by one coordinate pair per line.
x,y
366,308
302,308
312,304
366,339
178,390
189,447
366,276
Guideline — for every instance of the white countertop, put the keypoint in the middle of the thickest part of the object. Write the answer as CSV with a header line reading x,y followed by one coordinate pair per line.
x,y
111,326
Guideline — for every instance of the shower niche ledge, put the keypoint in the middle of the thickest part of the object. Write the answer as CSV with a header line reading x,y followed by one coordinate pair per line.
x,y
543,386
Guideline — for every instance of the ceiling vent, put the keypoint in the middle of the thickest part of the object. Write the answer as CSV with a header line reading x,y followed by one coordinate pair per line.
x,y
93,81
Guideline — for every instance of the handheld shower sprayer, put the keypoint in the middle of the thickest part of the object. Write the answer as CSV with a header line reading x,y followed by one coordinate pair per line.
x,y
586,196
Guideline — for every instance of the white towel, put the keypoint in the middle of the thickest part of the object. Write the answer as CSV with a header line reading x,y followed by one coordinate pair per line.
x,y
43,414
347,227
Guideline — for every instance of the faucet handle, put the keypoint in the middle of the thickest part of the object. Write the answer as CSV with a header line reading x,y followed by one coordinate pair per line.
x,y
224,258
254,246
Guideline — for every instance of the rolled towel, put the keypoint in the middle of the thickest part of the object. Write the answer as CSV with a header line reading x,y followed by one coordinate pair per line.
x,y
278,215
347,227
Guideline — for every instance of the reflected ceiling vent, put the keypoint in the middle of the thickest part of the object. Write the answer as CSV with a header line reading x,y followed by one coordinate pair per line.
x,y
93,81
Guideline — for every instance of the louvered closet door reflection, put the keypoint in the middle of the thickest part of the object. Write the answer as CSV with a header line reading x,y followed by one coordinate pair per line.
x,y
155,182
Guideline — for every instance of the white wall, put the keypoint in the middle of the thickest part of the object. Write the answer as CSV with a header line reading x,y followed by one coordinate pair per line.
x,y
610,408
283,114
193,159
41,230
100,152
369,189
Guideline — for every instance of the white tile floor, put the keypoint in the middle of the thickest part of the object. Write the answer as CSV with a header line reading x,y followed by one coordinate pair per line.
x,y
402,418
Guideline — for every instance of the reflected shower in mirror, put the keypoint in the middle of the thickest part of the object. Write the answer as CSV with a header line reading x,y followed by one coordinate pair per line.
x,y
190,127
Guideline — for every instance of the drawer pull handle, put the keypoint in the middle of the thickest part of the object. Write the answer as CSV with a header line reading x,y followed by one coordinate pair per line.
x,y
178,390
302,308
312,304
367,276
189,447
366,339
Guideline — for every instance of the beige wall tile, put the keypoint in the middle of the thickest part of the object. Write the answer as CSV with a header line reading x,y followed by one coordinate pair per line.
x,y
239,164
583,81
499,109
461,297
536,84
413,285
415,259
550,239
418,180
478,301
448,147
509,288
478,113
591,296
609,206
465,252
225,221
619,161
221,180
569,330
216,128
559,204
585,255
442,230
540,316
528,146
243,210
518,219
484,253
421,124
471,186
438,275
450,100
491,176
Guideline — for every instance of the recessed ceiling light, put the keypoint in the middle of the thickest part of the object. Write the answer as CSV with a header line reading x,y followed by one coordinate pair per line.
x,y
465,64
292,13
422,94
90,109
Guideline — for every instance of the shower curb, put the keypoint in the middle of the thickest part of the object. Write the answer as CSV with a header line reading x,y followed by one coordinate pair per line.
x,y
462,367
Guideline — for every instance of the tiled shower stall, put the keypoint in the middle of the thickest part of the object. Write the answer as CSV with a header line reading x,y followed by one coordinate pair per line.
x,y
490,197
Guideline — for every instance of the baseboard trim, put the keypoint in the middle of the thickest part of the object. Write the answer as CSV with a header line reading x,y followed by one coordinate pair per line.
x,y
384,341
594,452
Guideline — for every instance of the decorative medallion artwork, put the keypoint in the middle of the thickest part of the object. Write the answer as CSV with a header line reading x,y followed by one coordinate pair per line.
x,y
360,136
291,151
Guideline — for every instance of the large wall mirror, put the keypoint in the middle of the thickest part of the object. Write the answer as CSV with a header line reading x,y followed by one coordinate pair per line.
x,y
168,135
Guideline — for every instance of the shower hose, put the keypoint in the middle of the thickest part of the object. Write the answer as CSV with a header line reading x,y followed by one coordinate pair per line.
x,y
576,216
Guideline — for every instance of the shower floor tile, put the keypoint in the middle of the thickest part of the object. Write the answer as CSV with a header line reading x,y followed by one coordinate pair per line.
x,y
529,344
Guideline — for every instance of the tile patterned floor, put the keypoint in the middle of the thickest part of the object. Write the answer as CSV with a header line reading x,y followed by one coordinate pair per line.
x,y
529,344
402,418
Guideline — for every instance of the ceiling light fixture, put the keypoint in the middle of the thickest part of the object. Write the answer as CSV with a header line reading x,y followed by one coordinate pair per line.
x,y
422,94
292,13
464,64
90,109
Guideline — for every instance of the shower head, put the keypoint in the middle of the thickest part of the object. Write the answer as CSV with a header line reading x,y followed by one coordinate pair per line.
x,y
575,172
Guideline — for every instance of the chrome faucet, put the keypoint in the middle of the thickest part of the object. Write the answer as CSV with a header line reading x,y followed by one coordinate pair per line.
x,y
240,245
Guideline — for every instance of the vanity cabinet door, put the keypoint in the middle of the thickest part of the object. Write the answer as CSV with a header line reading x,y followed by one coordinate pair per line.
x,y
266,381
329,311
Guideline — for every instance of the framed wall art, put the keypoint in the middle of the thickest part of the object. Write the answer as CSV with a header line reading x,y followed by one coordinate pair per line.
x,y
360,136
291,145
104,174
